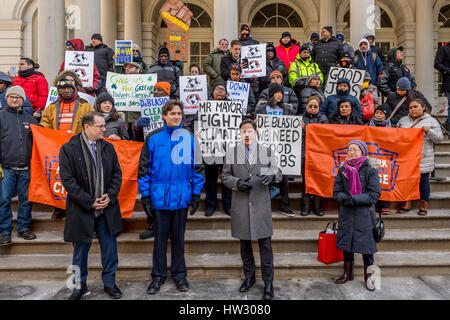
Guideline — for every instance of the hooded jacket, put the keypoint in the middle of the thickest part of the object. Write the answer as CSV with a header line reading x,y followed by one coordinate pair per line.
x,y
373,47
354,119
308,92
275,64
288,54
327,53
211,66
366,62
442,64
167,72
103,59
301,70
392,72
329,106
3,104
35,87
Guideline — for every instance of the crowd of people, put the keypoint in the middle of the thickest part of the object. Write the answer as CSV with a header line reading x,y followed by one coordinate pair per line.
x,y
294,85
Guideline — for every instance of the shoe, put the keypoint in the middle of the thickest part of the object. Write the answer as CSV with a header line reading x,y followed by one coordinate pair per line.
x,y
77,294
317,209
58,213
274,191
228,212
369,284
27,235
306,205
348,273
268,291
156,284
406,207
182,285
288,212
114,292
385,211
147,234
247,284
423,208
5,239
209,212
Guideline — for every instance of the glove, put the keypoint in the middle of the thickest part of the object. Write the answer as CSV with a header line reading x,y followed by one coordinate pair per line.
x,y
300,83
265,180
148,206
2,175
142,122
195,202
348,201
244,185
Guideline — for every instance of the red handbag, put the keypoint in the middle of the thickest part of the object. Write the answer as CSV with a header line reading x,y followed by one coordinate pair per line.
x,y
328,253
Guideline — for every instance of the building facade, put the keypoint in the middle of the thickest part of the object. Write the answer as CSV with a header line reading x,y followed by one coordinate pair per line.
x,y
38,28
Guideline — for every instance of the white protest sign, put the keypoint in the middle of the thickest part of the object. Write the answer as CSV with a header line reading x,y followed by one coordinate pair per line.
x,y
218,126
283,134
239,91
82,63
193,89
256,57
53,95
128,89
355,76
152,109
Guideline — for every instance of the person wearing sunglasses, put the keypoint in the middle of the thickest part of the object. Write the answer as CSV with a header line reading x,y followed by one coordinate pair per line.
x,y
137,59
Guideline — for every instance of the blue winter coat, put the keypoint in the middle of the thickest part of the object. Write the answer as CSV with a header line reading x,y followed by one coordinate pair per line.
x,y
373,67
167,175
329,106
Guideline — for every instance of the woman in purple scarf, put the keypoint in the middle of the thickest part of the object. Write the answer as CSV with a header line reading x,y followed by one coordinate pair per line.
x,y
357,189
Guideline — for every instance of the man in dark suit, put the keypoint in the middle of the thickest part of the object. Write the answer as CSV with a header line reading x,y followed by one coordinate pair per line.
x,y
91,174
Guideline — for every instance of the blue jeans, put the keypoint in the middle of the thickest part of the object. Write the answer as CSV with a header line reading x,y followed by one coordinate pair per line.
x,y
448,110
20,181
424,187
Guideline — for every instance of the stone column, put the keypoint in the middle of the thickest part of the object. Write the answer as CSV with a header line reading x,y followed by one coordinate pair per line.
x,y
328,14
362,19
51,44
133,20
425,49
225,20
90,20
108,21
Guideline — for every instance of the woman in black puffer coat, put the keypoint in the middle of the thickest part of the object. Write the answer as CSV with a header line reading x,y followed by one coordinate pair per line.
x,y
313,88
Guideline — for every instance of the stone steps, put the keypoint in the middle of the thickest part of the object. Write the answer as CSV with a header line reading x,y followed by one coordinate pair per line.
x,y
442,169
443,146
442,157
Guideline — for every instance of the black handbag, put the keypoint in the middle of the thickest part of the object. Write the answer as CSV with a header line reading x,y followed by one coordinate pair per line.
x,y
378,227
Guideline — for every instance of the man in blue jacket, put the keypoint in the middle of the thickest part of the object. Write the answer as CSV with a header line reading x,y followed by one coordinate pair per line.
x,y
329,106
367,60
170,180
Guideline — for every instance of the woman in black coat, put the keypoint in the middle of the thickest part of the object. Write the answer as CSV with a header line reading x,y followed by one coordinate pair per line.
x,y
357,189
346,114
312,89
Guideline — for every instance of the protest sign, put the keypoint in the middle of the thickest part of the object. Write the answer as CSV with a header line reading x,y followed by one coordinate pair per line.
x,y
255,55
82,63
193,89
218,126
152,109
397,151
239,91
124,52
283,135
53,95
128,89
355,76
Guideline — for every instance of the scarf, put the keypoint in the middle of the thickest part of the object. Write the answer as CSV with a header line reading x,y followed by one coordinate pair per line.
x,y
288,45
351,173
74,98
95,178
380,123
26,73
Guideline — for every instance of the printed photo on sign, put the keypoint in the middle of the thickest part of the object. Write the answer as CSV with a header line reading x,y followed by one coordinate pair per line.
x,y
152,110
255,55
128,89
283,135
239,91
218,126
124,52
355,76
193,90
82,63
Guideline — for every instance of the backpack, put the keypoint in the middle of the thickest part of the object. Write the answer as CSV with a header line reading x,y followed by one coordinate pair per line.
x,y
368,107
374,57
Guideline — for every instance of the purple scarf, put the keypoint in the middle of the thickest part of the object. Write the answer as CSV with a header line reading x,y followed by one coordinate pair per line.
x,y
351,173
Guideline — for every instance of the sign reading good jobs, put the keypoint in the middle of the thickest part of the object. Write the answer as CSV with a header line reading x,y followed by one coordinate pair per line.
x,y
355,76
152,110
283,135
128,89
256,57
82,63
398,152
193,90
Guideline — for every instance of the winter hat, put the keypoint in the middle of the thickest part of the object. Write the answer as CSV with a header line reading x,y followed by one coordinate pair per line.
x,y
340,37
223,84
65,83
4,78
245,27
274,88
364,40
286,34
276,72
234,66
368,35
270,47
97,36
385,108
17,90
367,76
314,35
303,48
104,96
163,50
313,76
362,145
163,85
329,28
134,64
346,55
404,84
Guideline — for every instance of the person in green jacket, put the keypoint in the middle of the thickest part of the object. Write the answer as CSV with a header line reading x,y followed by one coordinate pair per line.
x,y
302,68
212,62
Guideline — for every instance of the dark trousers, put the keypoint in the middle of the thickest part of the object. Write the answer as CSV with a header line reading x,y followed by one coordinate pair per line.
x,y
424,187
265,252
165,221
350,256
284,193
448,110
108,249
211,176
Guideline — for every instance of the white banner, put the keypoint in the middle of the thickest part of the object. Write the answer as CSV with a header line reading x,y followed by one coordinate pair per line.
x,y
152,109
355,76
82,63
193,89
239,91
256,57
283,134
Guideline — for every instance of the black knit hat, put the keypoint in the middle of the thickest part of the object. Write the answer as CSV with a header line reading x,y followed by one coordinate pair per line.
x,y
97,36
286,34
274,88
245,27
104,96
303,48
385,108
223,84
329,28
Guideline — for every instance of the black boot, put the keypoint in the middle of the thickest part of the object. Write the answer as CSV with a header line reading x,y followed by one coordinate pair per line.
x,y
147,234
348,273
306,205
317,209
268,291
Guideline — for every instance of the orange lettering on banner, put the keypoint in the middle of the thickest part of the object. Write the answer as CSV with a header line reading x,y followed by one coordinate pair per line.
x,y
45,184
398,152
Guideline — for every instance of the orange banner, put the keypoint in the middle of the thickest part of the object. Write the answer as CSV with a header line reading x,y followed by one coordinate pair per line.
x,y
45,184
398,152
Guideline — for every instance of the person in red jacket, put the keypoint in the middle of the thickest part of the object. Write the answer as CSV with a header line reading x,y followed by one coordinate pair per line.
x,y
78,45
288,49
33,83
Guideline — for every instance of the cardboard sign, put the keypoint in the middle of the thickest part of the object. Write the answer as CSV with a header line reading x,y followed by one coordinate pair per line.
x,y
53,95
355,76
151,109
82,63
239,91
283,135
193,90
124,52
256,57
128,89
218,126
